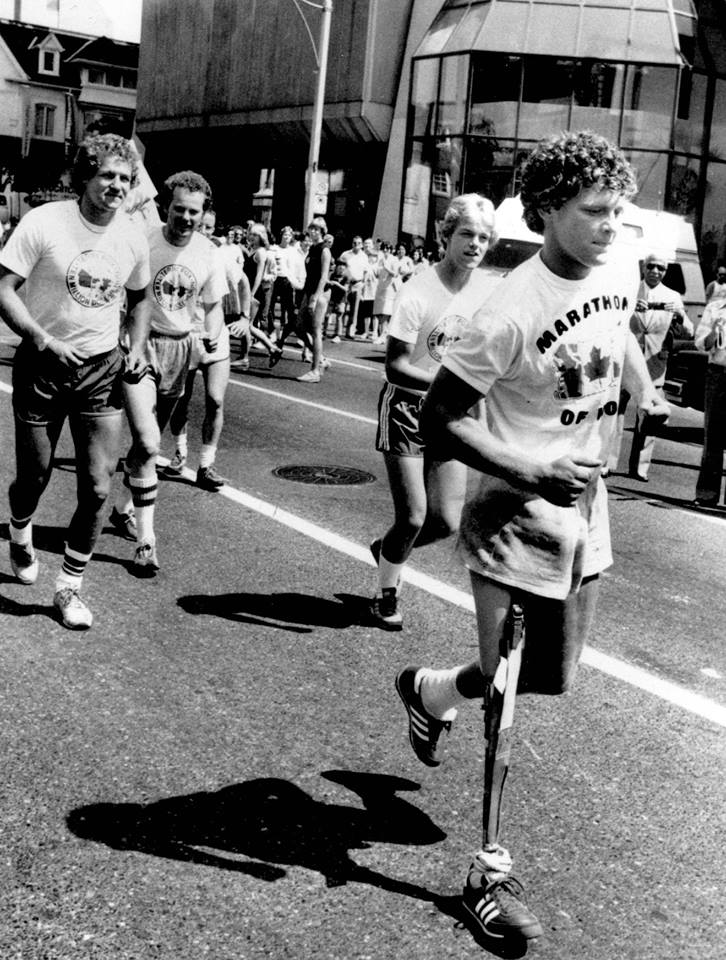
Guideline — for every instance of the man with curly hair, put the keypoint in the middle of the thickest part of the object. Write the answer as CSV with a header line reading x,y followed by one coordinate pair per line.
x,y
187,279
546,354
74,259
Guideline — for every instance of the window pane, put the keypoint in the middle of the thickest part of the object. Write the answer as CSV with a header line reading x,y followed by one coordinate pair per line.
x,y
452,98
489,168
651,170
446,172
440,32
546,97
649,93
683,187
598,98
688,131
494,95
416,195
717,146
713,237
423,97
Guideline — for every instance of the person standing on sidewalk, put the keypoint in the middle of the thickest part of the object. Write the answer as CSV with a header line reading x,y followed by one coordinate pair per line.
x,y
711,336
658,310
73,258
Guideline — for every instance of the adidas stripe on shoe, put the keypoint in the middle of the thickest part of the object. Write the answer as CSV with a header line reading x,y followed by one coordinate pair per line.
x,y
498,910
424,729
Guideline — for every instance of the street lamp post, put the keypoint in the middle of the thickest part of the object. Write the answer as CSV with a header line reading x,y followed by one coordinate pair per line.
x,y
321,59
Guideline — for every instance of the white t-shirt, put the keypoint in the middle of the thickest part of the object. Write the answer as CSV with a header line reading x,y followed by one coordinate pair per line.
x,y
181,276
547,353
427,314
75,272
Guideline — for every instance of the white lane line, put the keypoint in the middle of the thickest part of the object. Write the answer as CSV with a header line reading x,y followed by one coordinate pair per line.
x,y
305,403
635,676
671,692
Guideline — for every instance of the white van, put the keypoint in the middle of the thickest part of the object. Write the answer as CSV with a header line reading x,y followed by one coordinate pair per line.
x,y
646,231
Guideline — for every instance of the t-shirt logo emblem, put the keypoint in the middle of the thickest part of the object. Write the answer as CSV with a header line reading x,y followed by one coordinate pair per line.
x,y
93,279
174,286
446,332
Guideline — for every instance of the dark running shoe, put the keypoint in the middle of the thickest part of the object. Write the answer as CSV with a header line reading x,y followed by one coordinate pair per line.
x,y
145,562
384,610
498,910
24,562
124,524
209,479
424,730
175,467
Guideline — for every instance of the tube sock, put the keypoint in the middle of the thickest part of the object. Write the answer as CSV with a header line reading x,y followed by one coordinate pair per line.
x,y
143,492
207,454
439,693
21,531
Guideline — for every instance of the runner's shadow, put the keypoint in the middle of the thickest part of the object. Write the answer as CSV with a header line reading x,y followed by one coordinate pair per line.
x,y
297,612
53,540
260,827
11,608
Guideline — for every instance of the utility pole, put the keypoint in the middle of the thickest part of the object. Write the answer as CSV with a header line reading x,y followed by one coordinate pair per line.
x,y
317,122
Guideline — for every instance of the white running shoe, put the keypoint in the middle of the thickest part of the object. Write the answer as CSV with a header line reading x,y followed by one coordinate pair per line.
x,y
73,611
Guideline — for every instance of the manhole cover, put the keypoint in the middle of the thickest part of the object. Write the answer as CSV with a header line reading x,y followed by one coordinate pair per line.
x,y
326,475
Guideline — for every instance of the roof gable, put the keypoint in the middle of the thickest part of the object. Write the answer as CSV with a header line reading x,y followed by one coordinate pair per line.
x,y
24,40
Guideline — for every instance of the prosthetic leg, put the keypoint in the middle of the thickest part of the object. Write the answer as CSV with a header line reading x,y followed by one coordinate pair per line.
x,y
492,896
499,700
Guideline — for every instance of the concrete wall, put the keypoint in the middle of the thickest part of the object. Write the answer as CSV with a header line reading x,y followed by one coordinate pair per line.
x,y
389,204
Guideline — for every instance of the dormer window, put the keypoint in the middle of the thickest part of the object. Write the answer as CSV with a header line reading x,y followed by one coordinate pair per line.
x,y
49,52
49,62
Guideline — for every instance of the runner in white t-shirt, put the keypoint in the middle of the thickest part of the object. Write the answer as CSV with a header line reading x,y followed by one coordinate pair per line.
x,y
186,272
73,259
546,354
431,311
214,365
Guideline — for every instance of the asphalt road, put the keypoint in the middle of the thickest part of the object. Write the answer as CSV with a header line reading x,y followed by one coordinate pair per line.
x,y
220,769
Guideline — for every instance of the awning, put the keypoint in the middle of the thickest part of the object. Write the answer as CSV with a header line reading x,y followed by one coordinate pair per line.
x,y
626,31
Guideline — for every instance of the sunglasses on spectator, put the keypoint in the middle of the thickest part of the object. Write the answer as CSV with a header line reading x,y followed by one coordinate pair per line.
x,y
656,266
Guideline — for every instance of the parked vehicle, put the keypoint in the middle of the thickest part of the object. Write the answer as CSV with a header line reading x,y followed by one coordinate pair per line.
x,y
646,231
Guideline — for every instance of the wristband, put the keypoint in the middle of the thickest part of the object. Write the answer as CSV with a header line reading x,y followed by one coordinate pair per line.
x,y
47,337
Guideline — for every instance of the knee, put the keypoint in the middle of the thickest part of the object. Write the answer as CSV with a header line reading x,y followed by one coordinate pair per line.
x,y
147,445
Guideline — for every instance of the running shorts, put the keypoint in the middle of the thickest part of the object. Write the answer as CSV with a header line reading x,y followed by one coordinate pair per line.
x,y
45,390
169,356
199,355
398,422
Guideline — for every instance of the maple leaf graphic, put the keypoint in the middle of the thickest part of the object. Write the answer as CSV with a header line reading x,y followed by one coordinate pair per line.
x,y
598,366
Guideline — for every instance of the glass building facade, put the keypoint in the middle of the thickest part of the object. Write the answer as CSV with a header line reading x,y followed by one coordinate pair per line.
x,y
492,77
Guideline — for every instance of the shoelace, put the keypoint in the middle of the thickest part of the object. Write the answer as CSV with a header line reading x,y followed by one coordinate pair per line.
x,y
508,884
70,598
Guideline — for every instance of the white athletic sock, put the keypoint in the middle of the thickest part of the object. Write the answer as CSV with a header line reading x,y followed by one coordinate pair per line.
x,y
389,574
22,534
491,864
207,454
64,580
180,443
144,490
438,692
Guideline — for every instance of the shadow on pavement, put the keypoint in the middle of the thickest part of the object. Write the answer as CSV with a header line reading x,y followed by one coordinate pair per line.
x,y
663,502
298,612
53,540
275,824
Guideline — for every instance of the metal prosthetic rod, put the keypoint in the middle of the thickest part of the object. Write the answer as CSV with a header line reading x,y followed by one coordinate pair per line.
x,y
499,701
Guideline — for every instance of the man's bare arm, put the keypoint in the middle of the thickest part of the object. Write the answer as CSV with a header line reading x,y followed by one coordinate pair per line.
x,y
448,426
14,312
